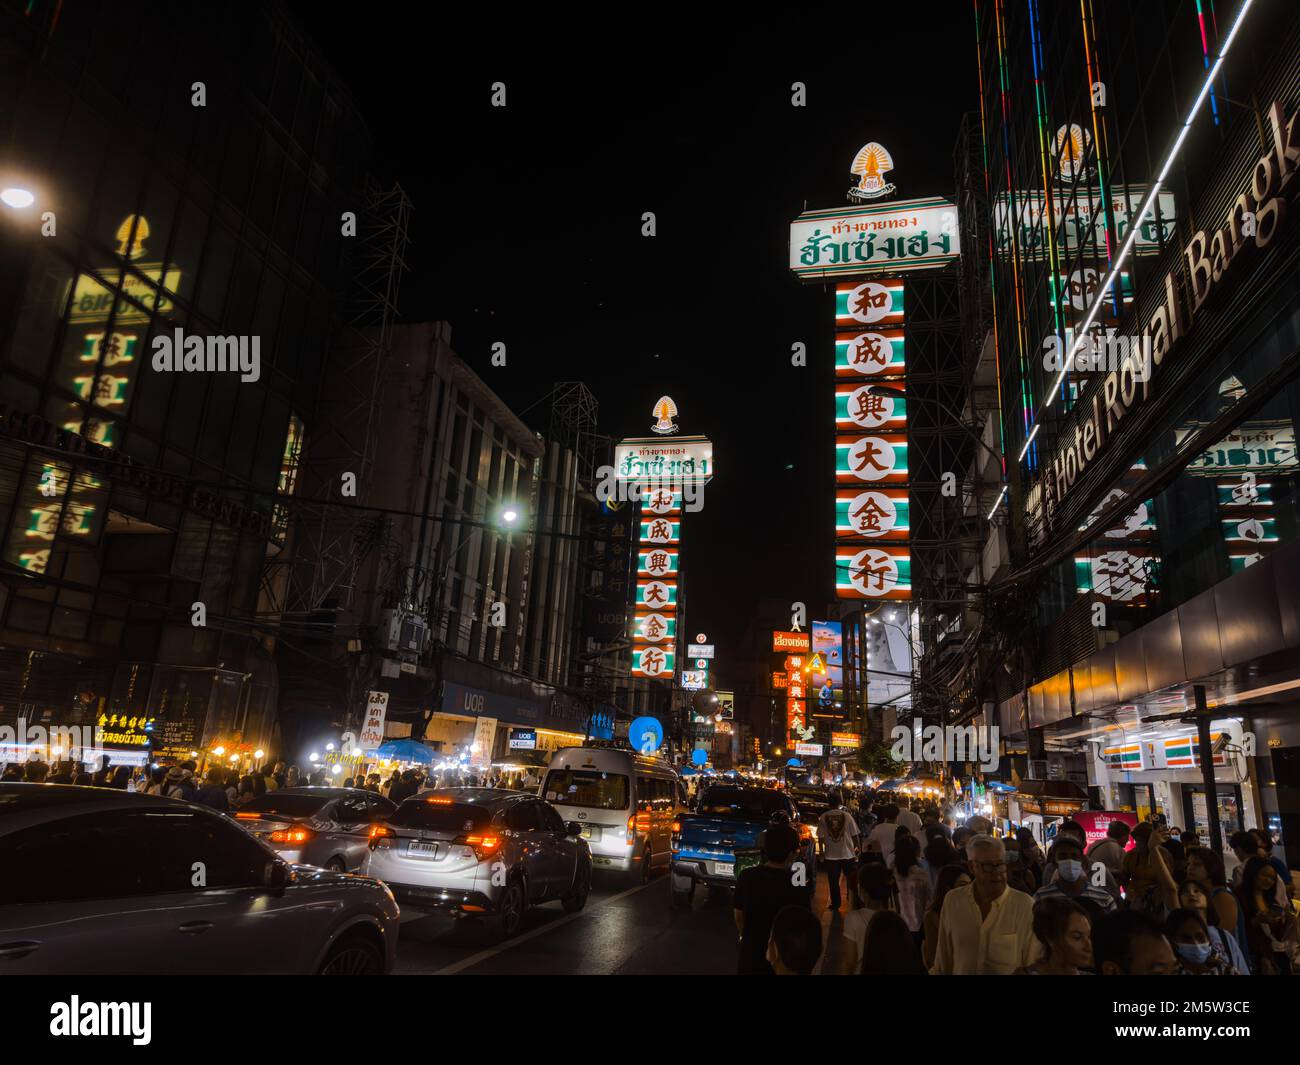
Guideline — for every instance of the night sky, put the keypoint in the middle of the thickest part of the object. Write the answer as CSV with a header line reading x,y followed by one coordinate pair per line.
x,y
527,230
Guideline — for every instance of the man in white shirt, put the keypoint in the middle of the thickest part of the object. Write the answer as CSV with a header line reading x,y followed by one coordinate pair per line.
x,y
840,839
883,835
986,928
910,820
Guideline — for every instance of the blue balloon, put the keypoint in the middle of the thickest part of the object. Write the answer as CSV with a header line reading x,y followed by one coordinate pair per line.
x,y
645,734
699,757
794,762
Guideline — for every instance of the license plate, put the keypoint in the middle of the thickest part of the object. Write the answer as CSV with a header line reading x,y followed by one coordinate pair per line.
x,y
422,850
723,869
591,832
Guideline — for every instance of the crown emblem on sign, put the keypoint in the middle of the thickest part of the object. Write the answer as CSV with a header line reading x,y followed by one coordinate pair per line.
x,y
665,410
871,164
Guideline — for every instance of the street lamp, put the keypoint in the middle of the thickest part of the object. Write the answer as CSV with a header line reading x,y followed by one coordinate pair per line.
x,y
510,515
17,197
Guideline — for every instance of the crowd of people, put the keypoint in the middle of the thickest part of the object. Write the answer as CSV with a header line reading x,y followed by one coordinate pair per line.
x,y
925,896
226,789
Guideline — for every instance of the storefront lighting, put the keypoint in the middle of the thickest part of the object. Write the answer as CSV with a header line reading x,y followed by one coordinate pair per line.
x,y
1136,226
329,746
337,769
218,751
259,754
16,197
313,757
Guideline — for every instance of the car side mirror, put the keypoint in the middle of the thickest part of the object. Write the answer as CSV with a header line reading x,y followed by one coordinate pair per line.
x,y
572,828
276,877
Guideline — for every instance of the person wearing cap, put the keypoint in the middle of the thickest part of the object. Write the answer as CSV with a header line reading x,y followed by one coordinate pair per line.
x,y
179,784
986,928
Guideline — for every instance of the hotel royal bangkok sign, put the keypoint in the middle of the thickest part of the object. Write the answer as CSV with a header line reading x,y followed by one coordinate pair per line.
x,y
864,249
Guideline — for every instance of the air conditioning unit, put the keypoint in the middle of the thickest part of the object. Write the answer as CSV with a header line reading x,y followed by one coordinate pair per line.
x,y
406,632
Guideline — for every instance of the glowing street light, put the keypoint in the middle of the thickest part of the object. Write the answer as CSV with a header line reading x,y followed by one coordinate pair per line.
x,y
17,197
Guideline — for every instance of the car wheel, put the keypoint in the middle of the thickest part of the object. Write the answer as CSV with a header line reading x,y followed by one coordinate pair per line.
x,y
646,871
510,910
336,865
354,955
577,898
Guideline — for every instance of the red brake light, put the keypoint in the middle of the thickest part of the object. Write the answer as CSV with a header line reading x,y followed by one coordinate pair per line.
x,y
677,826
381,831
438,800
296,834
487,843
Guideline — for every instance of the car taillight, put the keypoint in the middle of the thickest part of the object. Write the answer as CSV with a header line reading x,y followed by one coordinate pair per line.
x,y
294,834
631,829
677,826
379,833
482,845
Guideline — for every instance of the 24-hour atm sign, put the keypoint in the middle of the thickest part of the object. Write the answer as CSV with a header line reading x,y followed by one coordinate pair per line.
x,y
790,641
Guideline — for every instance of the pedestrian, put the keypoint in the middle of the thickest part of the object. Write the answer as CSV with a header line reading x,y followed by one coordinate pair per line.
x,y
232,788
840,843
13,773
908,818
1193,896
1205,867
393,781
1031,857
1019,876
912,880
876,895
1269,926
154,783
1285,887
795,944
939,854
950,876
986,928
1064,929
120,776
1196,951
1147,874
292,777
247,790
1072,880
761,893
281,775
99,778
35,771
1109,850
890,948
886,831
63,773
213,792
405,787
1131,943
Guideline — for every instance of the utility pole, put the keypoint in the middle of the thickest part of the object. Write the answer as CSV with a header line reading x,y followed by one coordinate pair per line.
x,y
1205,753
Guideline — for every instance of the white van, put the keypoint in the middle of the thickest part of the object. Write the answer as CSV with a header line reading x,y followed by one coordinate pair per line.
x,y
625,803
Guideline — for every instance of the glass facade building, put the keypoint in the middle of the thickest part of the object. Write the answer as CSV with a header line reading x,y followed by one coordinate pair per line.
x,y
189,167
1148,424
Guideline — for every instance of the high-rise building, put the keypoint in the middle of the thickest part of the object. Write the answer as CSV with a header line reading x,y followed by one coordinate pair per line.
x,y
170,264
1139,167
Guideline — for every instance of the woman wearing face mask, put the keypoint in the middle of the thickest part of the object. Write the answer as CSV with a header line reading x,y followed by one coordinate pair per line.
x,y
1192,896
1205,867
1197,956
1064,929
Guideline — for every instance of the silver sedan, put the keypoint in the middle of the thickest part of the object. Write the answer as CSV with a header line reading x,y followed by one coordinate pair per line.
x,y
101,881
328,827
481,852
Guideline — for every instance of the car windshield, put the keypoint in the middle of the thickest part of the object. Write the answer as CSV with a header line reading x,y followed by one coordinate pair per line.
x,y
286,805
741,802
441,816
585,787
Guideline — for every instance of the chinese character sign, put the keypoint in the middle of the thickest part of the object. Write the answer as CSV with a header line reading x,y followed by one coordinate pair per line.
x,y
883,238
654,620
872,525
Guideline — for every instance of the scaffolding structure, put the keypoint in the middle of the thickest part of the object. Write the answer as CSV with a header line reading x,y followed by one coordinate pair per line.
x,y
333,533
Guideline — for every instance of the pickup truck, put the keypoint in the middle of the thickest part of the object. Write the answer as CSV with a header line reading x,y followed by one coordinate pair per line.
x,y
723,837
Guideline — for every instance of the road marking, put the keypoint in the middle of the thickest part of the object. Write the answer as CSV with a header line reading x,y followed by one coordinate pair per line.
x,y
491,952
